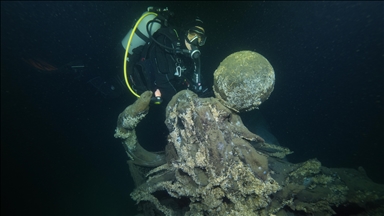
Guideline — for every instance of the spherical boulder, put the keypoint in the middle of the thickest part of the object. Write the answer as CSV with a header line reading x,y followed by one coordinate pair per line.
x,y
243,81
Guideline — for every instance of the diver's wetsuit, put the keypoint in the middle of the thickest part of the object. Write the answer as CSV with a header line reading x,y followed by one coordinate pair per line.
x,y
156,67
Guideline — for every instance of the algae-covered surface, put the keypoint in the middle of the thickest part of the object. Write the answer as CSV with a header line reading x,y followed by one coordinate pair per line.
x,y
213,165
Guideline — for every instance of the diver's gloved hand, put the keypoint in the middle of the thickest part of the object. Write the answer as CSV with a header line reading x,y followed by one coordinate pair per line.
x,y
206,92
200,90
195,88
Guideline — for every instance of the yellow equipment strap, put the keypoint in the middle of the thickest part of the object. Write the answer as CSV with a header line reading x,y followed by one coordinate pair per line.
x,y
127,50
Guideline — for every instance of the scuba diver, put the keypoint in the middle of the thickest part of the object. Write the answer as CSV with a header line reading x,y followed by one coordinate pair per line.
x,y
163,58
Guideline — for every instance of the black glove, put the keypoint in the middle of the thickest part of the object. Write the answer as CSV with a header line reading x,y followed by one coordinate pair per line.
x,y
195,87
206,92
200,90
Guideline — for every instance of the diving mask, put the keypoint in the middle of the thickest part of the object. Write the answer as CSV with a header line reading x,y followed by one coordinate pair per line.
x,y
196,36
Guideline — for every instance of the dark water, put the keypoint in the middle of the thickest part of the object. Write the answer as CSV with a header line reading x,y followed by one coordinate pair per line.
x,y
58,153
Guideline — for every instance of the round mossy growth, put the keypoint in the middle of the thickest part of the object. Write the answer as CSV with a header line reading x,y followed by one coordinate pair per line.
x,y
244,80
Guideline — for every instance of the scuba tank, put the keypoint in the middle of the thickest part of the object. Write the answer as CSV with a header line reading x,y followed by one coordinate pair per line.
x,y
141,35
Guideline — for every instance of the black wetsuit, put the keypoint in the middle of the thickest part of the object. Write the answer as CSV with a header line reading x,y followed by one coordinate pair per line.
x,y
156,66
